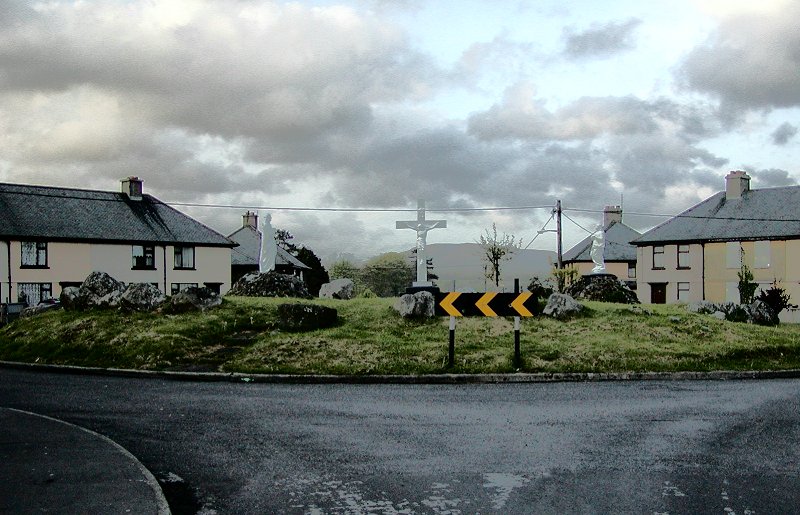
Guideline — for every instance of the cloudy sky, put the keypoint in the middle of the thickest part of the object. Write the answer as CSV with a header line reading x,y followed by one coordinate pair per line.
x,y
372,104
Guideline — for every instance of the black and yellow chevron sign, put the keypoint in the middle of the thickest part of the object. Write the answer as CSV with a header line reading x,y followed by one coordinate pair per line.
x,y
489,304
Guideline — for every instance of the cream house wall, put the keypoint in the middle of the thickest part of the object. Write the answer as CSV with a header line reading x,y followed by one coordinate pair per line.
x,y
670,274
73,262
618,269
5,295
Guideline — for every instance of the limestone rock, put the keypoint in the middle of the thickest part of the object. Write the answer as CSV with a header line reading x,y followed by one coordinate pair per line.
x,y
270,284
70,297
562,306
100,290
421,304
306,317
604,288
141,297
339,289
194,299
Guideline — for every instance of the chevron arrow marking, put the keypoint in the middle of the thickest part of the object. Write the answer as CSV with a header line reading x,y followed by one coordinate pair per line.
x,y
519,304
447,304
483,304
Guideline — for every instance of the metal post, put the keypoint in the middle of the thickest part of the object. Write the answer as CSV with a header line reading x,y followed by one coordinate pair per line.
x,y
558,231
451,354
516,330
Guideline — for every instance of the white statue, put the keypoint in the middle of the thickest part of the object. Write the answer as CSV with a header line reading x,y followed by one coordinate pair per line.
x,y
598,251
269,248
422,226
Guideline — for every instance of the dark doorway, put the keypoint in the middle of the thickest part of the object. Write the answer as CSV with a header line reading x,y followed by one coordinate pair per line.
x,y
658,293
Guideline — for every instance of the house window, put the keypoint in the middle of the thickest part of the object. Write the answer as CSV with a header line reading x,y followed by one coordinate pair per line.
x,y
144,257
683,292
184,258
683,257
215,287
631,270
34,254
177,287
658,257
733,254
33,293
762,254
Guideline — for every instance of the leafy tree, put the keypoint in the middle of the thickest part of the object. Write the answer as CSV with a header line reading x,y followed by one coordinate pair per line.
x,y
496,249
344,269
315,277
564,277
388,275
282,238
747,288
776,299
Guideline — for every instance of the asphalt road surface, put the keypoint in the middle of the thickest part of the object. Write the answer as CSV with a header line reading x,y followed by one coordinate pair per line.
x,y
686,447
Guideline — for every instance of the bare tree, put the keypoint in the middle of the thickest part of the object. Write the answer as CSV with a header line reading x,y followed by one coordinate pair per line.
x,y
496,249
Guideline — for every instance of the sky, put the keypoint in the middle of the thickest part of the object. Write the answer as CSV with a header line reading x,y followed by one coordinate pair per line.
x,y
334,106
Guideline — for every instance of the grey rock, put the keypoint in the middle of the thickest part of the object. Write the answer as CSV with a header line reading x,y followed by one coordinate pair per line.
x,y
306,317
562,306
338,289
421,304
674,319
141,297
270,284
70,297
100,290
194,299
720,315
702,307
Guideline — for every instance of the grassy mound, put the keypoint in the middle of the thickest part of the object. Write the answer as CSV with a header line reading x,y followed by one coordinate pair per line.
x,y
244,335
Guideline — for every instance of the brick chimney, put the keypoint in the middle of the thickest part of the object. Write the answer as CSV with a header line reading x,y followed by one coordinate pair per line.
x,y
736,183
612,214
132,187
250,219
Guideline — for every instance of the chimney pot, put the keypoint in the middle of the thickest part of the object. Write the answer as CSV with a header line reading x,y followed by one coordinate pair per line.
x,y
612,214
250,219
736,184
132,187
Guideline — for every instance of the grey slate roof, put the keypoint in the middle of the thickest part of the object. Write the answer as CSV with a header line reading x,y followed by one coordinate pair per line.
x,y
618,248
66,214
247,253
769,213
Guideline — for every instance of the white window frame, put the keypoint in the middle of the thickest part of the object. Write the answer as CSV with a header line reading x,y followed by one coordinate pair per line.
x,y
684,251
661,253
762,254
685,289
33,254
733,254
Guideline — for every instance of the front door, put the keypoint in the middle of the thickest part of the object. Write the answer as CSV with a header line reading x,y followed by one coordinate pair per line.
x,y
658,293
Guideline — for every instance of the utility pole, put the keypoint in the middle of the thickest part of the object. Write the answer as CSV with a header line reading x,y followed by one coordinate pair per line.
x,y
558,232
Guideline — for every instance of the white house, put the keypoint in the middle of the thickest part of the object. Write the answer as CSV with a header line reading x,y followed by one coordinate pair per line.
x,y
51,238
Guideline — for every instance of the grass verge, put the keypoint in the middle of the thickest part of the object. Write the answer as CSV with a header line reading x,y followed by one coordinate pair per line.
x,y
243,336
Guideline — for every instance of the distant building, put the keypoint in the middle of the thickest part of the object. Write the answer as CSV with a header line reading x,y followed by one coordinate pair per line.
x,y
245,257
51,238
619,255
698,254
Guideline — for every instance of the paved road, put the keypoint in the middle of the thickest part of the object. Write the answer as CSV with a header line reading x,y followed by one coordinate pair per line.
x,y
634,447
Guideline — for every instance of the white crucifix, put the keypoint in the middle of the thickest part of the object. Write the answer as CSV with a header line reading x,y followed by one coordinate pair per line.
x,y
422,227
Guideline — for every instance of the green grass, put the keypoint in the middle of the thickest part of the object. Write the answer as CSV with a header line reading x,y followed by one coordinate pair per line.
x,y
243,335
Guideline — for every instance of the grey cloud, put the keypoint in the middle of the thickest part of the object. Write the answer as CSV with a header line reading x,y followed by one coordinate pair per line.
x,y
601,40
522,116
784,133
751,62
771,178
299,72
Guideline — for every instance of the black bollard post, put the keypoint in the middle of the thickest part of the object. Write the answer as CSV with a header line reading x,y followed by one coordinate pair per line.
x,y
517,358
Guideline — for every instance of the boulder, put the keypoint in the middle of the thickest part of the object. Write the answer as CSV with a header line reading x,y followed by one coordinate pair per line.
x,y
761,314
561,306
270,284
70,297
100,290
602,287
141,297
194,299
306,317
339,289
421,304
702,307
